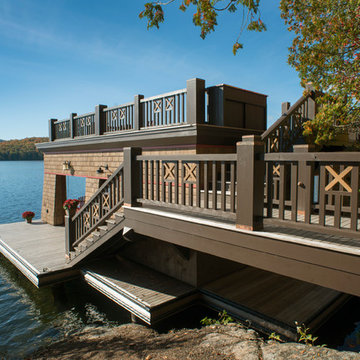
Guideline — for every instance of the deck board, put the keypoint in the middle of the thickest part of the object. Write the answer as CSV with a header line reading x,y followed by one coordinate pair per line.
x,y
146,293
281,298
37,250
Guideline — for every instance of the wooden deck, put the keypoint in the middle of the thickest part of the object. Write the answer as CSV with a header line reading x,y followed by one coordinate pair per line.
x,y
327,260
148,294
271,302
37,250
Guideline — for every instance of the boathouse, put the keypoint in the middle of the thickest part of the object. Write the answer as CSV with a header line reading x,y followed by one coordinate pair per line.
x,y
190,199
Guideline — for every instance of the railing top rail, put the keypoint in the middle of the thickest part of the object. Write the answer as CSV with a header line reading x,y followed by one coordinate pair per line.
x,y
284,116
103,186
314,156
84,115
117,106
189,157
61,121
156,97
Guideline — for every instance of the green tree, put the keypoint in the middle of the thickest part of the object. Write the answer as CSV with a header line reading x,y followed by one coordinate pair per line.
x,y
325,50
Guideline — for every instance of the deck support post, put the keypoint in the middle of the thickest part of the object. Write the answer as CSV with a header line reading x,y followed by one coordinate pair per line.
x,y
69,234
72,125
138,113
305,182
52,129
195,101
132,176
99,119
250,183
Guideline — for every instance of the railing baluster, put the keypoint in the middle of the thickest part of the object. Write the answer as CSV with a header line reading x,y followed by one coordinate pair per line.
x,y
151,180
146,171
282,191
232,187
176,182
294,192
198,179
214,186
223,187
206,185
354,197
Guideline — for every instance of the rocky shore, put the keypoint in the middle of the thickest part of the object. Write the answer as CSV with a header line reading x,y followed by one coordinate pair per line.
x,y
133,341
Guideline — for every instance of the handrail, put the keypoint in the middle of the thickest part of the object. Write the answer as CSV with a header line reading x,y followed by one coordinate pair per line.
x,y
107,199
285,131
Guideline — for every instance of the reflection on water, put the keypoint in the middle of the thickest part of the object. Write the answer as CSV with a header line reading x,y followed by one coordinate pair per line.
x,y
32,317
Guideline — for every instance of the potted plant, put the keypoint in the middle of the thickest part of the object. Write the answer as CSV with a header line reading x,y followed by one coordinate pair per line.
x,y
70,206
28,216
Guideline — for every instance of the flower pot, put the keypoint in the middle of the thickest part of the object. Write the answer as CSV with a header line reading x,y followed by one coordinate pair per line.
x,y
70,212
28,220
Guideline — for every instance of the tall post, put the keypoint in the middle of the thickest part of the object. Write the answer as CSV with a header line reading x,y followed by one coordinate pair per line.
x,y
69,234
195,101
305,181
99,119
52,129
285,106
72,125
132,176
250,183
138,113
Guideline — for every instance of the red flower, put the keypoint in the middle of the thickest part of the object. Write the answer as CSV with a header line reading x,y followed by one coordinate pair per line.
x,y
28,215
71,204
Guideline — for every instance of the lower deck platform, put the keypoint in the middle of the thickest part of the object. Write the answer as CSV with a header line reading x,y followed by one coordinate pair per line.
x,y
148,294
37,250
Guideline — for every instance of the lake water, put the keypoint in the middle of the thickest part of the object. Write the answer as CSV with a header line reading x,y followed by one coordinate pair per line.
x,y
31,317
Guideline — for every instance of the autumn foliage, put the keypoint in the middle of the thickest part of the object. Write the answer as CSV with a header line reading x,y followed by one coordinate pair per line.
x,y
326,52
23,149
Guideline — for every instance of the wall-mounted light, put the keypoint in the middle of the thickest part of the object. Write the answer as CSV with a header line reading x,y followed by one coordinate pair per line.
x,y
101,168
66,165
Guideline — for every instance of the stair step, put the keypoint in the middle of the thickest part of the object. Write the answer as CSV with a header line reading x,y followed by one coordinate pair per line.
x,y
72,255
110,223
103,229
90,241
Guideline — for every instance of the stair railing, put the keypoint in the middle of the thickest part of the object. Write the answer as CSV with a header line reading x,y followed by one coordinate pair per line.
x,y
108,199
283,134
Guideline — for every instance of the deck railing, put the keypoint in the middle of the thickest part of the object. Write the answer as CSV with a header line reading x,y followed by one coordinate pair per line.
x,y
119,118
61,129
166,109
186,106
317,189
105,201
200,183
84,125
306,190
285,132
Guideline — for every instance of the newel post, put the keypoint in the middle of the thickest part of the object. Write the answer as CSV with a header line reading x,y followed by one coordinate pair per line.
x,y
72,125
195,101
250,183
99,119
305,184
138,113
69,234
132,176
52,134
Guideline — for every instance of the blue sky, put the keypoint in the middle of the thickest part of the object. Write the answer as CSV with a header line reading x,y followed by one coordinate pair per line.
x,y
63,56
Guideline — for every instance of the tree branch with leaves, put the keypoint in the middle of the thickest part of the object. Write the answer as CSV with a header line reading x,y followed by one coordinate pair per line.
x,y
206,13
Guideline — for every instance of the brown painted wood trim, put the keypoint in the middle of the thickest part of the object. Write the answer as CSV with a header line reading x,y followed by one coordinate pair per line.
x,y
323,267
331,230
84,176
189,157
343,156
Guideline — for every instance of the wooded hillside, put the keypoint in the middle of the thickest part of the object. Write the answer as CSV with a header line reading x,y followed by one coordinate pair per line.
x,y
23,149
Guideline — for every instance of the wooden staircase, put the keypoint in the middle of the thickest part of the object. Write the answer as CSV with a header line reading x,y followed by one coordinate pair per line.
x,y
100,222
